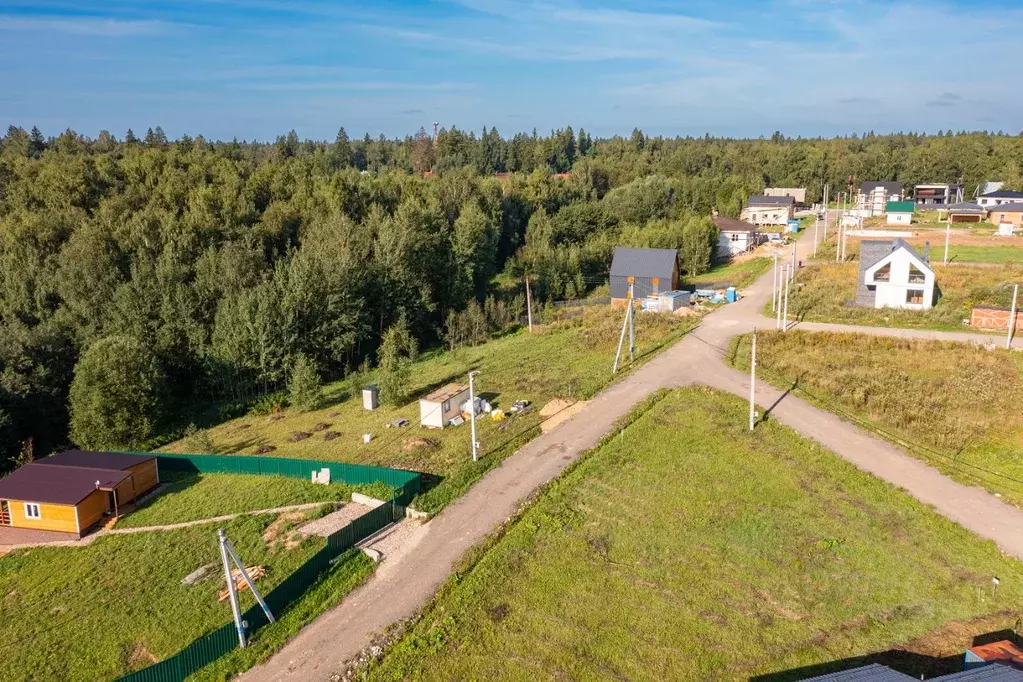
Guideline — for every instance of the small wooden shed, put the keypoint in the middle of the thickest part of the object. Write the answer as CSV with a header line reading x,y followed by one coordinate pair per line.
x,y
71,491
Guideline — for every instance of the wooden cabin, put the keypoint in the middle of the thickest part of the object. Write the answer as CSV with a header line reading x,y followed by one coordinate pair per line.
x,y
71,491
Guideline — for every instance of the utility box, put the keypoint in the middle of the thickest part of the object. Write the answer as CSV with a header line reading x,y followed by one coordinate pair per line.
x,y
371,397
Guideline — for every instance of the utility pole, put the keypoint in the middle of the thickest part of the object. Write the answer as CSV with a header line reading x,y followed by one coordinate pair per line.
x,y
625,325
948,236
752,380
472,414
632,327
816,234
838,244
785,309
227,554
774,284
232,592
777,318
845,240
1012,317
529,306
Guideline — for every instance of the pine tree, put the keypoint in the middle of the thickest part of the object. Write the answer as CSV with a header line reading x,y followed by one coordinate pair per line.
x,y
342,151
37,144
129,137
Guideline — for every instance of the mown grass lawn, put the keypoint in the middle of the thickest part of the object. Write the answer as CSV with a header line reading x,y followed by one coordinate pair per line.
x,y
688,548
954,405
100,611
570,357
189,497
825,293
739,274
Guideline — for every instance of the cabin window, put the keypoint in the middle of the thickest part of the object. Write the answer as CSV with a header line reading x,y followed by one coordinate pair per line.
x,y
883,274
915,275
32,511
915,296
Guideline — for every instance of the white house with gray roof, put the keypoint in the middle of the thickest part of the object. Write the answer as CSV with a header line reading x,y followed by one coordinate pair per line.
x,y
894,275
875,194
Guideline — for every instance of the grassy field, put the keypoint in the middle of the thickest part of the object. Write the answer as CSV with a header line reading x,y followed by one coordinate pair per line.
x,y
739,274
954,405
118,604
191,497
982,254
570,357
824,293
688,548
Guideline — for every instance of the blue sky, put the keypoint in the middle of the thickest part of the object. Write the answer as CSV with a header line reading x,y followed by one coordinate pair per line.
x,y
227,68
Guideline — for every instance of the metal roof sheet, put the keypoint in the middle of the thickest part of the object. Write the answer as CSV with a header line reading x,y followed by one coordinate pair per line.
x,y
900,207
1003,194
95,460
890,187
1014,207
992,672
966,207
67,485
445,392
726,224
629,262
867,673
762,200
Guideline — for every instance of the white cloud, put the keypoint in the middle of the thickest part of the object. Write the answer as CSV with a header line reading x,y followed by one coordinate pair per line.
x,y
86,26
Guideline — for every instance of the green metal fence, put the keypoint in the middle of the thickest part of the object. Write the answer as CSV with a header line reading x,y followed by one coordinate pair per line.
x,y
223,640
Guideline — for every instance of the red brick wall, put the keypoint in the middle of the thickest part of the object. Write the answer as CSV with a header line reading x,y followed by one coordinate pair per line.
x,y
994,318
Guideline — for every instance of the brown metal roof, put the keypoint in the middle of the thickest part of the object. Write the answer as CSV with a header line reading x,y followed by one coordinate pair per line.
x,y
446,393
95,460
726,224
66,484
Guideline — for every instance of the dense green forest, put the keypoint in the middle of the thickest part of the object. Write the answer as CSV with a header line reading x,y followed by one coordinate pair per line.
x,y
167,274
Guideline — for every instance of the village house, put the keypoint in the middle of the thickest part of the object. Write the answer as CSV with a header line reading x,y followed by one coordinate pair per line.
x,y
735,237
939,194
70,492
638,273
764,210
999,197
894,275
798,194
899,212
875,194
1006,214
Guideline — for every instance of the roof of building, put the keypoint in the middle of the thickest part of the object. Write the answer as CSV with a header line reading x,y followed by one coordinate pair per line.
x,y
67,485
990,186
762,200
629,262
726,224
1002,651
899,207
95,460
873,251
1003,194
1013,207
867,673
890,187
992,672
966,207
446,392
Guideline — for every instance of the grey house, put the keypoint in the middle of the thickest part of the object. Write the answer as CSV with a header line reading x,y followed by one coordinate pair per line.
x,y
649,271
906,281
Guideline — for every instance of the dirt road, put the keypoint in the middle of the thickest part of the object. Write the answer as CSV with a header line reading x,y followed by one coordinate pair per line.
x,y
404,584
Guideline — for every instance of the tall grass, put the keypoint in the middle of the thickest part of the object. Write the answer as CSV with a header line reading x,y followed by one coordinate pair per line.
x,y
954,405
826,293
